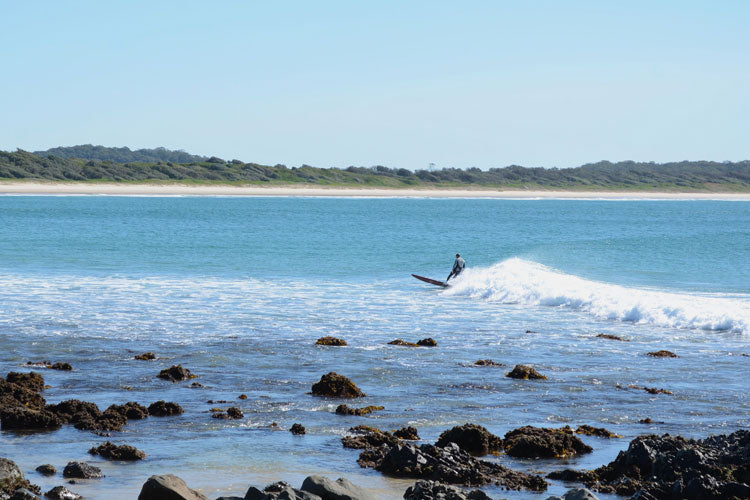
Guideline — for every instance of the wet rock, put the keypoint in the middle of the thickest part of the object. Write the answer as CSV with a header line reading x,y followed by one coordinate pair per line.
x,y
449,465
164,409
130,410
611,337
175,373
22,418
24,494
82,470
114,452
13,395
62,493
46,470
297,429
409,433
428,342
346,410
538,442
433,490
402,342
572,476
487,362
336,386
232,413
524,372
279,491
471,438
108,421
341,489
656,390
73,410
32,380
588,430
577,494
662,354
168,487
197,385
328,340
66,367
242,396
145,356
12,479
648,420
365,437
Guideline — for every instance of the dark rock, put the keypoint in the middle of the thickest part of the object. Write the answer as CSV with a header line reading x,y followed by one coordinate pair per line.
x,y
22,418
11,478
168,487
433,490
409,433
113,452
242,396
175,373
72,411
24,494
130,410
524,372
62,493
297,429
164,409
428,342
579,494
448,465
662,354
471,438
46,470
279,491
402,342
588,430
82,470
572,476
341,489
232,413
66,367
13,395
336,386
32,380
368,437
487,362
110,420
611,337
536,442
145,356
328,340
346,410
655,390
197,385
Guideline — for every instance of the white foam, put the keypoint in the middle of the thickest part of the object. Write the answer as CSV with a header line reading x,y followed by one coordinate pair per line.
x,y
518,281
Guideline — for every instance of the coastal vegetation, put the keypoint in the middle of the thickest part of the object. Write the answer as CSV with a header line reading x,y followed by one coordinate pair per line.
x,y
101,164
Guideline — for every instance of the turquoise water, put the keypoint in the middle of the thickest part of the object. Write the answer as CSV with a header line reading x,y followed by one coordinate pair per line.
x,y
238,289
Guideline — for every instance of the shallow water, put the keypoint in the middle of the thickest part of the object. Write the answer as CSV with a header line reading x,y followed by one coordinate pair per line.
x,y
238,289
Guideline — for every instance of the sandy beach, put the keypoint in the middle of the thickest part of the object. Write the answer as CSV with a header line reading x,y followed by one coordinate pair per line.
x,y
76,188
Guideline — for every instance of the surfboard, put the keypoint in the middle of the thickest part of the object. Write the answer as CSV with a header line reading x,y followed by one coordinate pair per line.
x,y
430,280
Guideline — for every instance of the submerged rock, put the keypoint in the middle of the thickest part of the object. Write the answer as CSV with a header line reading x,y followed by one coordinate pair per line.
x,y
82,470
164,409
346,410
588,430
66,367
471,438
611,337
168,487
114,452
24,494
46,470
333,341
428,342
433,490
409,433
402,342
336,386
662,354
62,493
538,442
297,429
176,373
524,372
145,356
487,362
232,413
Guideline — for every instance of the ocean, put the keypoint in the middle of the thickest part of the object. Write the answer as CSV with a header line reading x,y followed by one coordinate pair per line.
x,y
238,289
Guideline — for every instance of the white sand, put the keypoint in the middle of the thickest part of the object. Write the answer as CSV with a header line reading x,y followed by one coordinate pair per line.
x,y
76,188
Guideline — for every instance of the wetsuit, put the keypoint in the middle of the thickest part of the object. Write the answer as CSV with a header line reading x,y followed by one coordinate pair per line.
x,y
458,266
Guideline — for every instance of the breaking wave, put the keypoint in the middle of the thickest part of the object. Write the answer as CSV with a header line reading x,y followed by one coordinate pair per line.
x,y
518,281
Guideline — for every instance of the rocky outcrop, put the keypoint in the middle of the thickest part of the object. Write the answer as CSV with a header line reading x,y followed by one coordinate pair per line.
x,y
66,367
662,354
428,342
402,342
449,465
27,419
433,490
164,409
408,433
62,493
168,487
114,452
524,372
334,385
487,362
576,494
82,470
145,356
588,430
333,341
297,429
176,373
365,437
341,489
346,410
87,416
537,442
12,479
471,438
32,381
232,413
130,410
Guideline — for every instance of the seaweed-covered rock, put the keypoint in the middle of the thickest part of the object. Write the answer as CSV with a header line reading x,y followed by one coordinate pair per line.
x,y
164,409
32,380
662,354
536,442
175,373
524,372
46,470
471,438
108,421
409,433
428,342
62,493
402,342
346,410
22,418
433,490
365,437
130,410
12,479
487,362
65,367
449,465
72,411
12,395
336,386
609,336
588,430
297,429
328,340
82,470
114,452
168,487
145,356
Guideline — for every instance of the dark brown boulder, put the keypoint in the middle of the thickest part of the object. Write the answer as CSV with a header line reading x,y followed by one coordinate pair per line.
x,y
72,411
145,356
471,438
328,340
46,470
32,380
175,373
232,413
66,367
346,410
297,429
487,362
22,418
428,342
408,433
588,430
524,372
114,452
82,470
164,409
108,421
130,410
402,342
536,442
662,354
336,386
12,395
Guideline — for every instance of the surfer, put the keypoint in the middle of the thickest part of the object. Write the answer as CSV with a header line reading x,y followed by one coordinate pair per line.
x,y
458,267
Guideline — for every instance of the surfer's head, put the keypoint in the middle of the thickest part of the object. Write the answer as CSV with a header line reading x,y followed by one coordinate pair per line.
x,y
458,255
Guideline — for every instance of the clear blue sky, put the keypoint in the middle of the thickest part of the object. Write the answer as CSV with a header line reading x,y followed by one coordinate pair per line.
x,y
401,84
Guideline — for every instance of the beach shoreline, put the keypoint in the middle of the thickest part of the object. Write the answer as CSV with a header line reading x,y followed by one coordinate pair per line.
x,y
128,189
